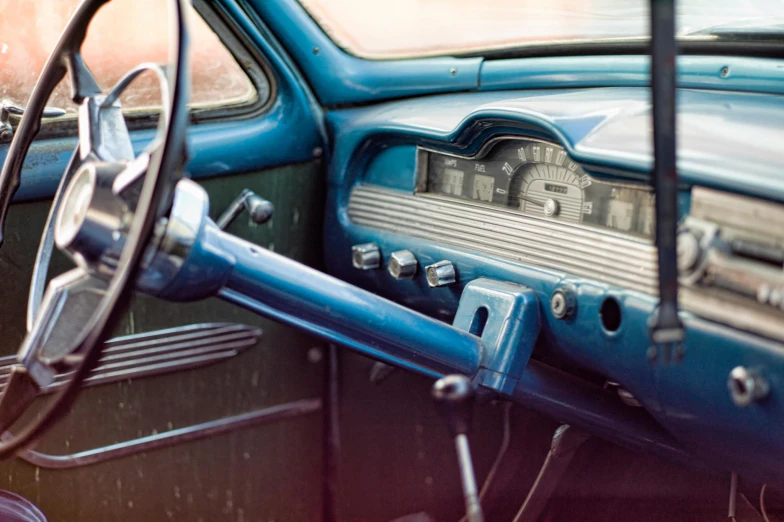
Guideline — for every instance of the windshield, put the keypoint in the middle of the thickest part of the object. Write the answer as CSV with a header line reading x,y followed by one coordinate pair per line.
x,y
405,28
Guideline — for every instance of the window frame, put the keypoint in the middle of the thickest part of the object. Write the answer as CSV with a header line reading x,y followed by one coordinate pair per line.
x,y
251,63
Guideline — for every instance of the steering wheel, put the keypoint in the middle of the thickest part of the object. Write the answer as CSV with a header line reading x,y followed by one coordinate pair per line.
x,y
109,209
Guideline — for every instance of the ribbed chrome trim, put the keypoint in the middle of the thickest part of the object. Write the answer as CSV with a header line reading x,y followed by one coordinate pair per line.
x,y
568,247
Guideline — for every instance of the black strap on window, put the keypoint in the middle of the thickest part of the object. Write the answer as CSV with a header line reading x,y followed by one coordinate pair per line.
x,y
666,328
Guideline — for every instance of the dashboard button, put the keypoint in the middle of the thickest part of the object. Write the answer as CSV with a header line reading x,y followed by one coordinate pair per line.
x,y
441,274
365,256
402,264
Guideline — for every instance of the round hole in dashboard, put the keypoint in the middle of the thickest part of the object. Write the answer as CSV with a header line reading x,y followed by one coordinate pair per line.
x,y
610,314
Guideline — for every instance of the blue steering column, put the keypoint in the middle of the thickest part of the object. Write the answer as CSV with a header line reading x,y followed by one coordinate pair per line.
x,y
196,260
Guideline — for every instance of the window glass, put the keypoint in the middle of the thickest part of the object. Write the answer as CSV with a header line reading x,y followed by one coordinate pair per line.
x,y
405,28
123,34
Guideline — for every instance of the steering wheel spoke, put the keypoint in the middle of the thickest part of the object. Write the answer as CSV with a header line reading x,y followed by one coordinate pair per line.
x,y
83,83
103,133
70,302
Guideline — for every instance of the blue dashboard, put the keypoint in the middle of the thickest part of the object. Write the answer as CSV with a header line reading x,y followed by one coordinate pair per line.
x,y
728,148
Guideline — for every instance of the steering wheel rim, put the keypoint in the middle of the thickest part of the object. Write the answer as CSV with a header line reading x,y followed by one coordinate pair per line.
x,y
162,171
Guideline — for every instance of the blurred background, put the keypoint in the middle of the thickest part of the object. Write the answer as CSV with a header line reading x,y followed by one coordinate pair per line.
x,y
123,34
127,32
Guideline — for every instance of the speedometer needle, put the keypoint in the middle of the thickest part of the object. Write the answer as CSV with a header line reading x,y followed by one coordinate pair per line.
x,y
531,200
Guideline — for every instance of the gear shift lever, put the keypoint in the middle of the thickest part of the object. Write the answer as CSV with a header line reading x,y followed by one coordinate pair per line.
x,y
454,396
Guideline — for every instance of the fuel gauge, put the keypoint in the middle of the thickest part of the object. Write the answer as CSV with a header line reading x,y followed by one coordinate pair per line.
x,y
483,187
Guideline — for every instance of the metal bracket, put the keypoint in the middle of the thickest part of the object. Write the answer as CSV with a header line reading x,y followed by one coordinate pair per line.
x,y
507,319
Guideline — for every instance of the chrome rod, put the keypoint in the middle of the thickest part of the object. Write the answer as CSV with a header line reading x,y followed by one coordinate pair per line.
x,y
169,438
158,352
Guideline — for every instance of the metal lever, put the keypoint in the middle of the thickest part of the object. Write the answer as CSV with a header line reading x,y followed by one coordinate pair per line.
x,y
566,441
454,395
7,108
259,209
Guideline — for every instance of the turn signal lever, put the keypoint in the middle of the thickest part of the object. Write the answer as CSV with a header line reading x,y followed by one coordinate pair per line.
x,y
454,396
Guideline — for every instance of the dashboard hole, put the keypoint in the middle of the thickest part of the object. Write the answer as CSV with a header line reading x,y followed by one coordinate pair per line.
x,y
479,321
610,314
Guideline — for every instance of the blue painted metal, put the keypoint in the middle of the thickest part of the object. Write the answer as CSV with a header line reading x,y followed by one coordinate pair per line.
x,y
340,78
321,304
593,409
762,75
290,130
506,317
606,128
384,168
689,400
284,290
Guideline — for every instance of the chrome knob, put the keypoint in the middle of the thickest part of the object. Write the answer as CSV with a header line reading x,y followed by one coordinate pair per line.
x,y
551,208
441,274
563,303
402,264
746,386
366,256
688,251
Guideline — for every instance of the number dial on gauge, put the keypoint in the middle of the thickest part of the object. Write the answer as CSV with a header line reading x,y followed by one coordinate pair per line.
x,y
539,179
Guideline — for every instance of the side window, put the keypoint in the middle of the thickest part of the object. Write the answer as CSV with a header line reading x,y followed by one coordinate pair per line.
x,y
123,34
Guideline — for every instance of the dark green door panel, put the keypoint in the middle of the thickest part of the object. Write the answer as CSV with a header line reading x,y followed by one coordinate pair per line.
x,y
270,472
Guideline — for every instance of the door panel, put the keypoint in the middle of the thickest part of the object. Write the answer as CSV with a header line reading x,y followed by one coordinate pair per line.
x,y
238,476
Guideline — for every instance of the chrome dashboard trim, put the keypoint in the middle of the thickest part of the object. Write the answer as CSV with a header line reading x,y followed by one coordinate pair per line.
x,y
609,257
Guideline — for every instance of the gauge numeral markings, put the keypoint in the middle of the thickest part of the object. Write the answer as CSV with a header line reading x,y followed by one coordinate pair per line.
x,y
559,159
548,155
521,154
588,207
572,166
508,169
537,152
585,181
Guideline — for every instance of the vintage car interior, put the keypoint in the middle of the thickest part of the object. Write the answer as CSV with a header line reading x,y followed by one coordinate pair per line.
x,y
496,282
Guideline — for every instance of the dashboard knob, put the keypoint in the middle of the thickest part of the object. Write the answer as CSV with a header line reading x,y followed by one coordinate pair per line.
x,y
563,303
746,386
441,274
688,250
402,264
366,256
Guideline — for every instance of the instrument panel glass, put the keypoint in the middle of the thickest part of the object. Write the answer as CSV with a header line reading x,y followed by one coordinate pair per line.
x,y
540,179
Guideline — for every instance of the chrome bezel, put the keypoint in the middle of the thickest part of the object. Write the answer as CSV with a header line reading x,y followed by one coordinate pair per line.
x,y
421,170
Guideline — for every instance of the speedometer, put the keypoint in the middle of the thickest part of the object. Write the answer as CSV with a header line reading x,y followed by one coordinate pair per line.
x,y
538,178
548,184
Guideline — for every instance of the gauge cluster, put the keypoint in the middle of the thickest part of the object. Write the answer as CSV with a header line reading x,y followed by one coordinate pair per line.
x,y
538,178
